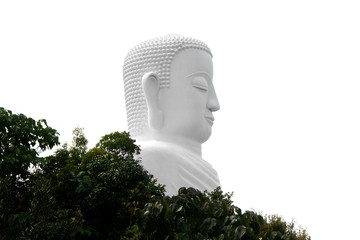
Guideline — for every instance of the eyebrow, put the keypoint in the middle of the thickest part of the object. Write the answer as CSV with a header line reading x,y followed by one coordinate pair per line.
x,y
201,73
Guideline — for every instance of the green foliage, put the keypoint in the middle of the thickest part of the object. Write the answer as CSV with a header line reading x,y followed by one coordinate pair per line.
x,y
98,188
79,144
201,215
73,194
104,193
21,139
195,215
275,227
119,144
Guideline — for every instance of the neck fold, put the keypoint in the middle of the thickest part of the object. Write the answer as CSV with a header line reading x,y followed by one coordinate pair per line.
x,y
188,144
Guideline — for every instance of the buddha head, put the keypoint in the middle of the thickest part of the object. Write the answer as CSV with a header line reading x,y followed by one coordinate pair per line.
x,y
169,89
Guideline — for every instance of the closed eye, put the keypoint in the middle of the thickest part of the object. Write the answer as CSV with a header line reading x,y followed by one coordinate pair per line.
x,y
200,83
202,88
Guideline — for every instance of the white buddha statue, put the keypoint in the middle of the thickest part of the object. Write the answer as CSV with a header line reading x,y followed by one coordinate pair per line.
x,y
170,100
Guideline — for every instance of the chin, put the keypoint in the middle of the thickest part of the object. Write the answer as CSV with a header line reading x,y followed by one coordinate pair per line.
x,y
198,133
205,135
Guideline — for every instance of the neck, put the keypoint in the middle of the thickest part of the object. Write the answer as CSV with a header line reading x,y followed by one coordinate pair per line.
x,y
186,143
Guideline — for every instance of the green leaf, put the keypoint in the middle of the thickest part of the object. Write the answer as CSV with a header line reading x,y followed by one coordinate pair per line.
x,y
157,209
208,224
240,231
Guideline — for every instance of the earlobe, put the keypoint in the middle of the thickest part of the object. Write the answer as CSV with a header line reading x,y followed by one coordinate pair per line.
x,y
151,87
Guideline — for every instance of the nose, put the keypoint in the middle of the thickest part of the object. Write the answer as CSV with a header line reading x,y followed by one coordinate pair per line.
x,y
212,102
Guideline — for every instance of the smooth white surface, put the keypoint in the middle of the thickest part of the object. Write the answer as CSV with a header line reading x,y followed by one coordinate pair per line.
x,y
180,120
286,73
177,166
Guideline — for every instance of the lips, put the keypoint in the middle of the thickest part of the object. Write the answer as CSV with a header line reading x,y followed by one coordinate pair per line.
x,y
210,119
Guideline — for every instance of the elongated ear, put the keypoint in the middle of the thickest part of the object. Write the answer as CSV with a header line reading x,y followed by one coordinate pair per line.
x,y
151,87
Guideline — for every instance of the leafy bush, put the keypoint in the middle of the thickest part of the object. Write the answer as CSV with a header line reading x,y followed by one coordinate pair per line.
x,y
201,215
275,227
195,215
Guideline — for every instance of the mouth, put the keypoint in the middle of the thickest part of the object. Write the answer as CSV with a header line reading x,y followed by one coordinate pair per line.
x,y
210,119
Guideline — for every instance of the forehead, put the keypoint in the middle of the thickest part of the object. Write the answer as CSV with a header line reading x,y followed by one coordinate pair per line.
x,y
190,61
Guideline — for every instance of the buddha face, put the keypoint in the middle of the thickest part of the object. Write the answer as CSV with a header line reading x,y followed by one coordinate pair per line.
x,y
188,104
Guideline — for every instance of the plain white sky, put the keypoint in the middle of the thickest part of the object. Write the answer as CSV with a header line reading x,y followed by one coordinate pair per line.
x,y
287,73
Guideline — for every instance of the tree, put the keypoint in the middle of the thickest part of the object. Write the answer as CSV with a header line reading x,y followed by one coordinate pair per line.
x,y
90,194
73,194
21,140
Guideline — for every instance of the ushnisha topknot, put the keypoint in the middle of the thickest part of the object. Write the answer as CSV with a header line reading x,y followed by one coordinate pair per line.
x,y
154,55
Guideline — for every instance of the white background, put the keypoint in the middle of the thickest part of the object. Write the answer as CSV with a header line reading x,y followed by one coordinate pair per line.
x,y
286,139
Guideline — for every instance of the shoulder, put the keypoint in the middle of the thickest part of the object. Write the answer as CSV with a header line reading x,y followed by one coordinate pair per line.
x,y
156,155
